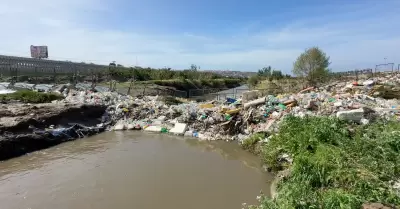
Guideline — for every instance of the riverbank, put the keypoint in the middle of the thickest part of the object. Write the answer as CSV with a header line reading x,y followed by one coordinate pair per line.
x,y
343,152
294,131
18,123
330,163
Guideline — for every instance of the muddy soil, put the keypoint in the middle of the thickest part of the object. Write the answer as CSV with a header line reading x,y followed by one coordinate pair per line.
x,y
16,118
16,138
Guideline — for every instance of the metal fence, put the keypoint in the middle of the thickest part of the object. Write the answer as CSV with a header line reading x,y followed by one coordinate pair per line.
x,y
152,91
387,67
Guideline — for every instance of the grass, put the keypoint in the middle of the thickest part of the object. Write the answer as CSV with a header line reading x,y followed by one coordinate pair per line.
x,y
288,85
335,165
252,144
27,96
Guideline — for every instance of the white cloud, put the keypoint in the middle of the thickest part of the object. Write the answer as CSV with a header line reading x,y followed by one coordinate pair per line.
x,y
70,29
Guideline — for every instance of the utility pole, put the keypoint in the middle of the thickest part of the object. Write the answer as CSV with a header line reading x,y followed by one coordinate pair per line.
x,y
132,81
112,64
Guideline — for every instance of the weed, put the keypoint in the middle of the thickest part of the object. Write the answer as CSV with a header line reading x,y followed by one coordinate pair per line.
x,y
27,96
251,142
333,168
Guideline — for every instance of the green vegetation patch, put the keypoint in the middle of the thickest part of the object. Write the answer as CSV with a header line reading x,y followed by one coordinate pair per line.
x,y
252,143
186,84
27,96
334,164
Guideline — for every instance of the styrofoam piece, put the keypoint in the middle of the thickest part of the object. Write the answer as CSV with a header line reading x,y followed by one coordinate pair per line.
x,y
156,123
188,133
153,128
130,126
162,118
179,128
119,127
351,115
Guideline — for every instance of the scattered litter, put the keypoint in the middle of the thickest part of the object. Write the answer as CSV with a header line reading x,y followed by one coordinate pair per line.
x,y
360,102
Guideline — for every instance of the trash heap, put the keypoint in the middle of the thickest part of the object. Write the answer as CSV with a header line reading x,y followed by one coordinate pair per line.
x,y
235,119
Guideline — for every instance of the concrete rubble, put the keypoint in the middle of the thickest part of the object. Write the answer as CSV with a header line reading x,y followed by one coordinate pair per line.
x,y
359,102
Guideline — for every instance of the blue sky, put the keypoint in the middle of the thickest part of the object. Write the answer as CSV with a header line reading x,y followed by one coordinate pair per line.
x,y
236,35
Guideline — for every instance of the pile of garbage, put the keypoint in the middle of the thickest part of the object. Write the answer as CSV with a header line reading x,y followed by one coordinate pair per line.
x,y
235,119
72,132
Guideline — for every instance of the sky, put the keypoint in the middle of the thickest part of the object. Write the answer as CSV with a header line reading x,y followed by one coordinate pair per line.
x,y
215,35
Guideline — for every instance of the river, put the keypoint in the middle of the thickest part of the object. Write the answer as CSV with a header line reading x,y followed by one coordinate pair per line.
x,y
121,170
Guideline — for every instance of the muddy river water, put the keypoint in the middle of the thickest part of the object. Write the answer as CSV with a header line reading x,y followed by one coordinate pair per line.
x,y
118,170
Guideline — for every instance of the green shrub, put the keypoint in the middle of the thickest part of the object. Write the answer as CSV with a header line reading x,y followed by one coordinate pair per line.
x,y
186,84
251,142
333,167
27,96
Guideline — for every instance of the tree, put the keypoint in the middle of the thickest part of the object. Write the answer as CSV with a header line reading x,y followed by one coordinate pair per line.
x,y
277,74
265,71
313,65
194,67
269,73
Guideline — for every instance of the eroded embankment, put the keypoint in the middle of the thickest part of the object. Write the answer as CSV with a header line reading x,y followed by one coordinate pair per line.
x,y
17,122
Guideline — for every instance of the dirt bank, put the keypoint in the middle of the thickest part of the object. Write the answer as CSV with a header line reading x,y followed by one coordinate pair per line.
x,y
17,138
16,118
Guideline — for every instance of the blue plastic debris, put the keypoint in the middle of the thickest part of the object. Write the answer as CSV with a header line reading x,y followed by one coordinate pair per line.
x,y
230,100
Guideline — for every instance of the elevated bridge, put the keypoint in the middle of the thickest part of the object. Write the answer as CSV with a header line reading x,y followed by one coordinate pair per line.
x,y
14,66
